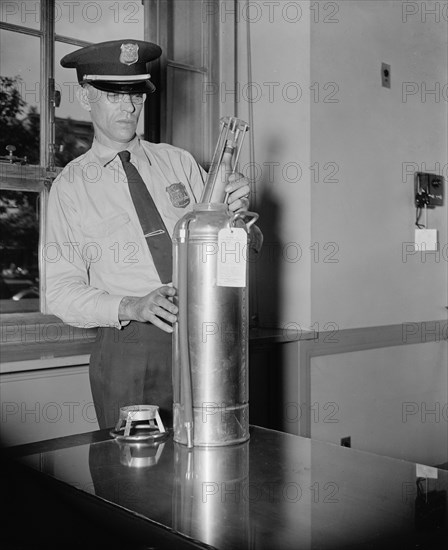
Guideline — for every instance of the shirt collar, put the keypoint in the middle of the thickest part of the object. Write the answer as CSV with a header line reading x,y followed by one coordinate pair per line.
x,y
106,154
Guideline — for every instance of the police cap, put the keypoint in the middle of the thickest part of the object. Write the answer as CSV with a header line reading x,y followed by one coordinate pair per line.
x,y
115,66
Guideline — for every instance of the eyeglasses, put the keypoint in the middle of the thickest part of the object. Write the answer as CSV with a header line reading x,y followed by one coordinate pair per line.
x,y
116,97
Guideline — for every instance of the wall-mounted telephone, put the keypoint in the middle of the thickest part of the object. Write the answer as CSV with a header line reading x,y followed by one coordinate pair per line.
x,y
428,190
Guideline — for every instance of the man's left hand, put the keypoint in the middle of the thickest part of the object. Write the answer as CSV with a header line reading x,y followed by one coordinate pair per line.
x,y
238,189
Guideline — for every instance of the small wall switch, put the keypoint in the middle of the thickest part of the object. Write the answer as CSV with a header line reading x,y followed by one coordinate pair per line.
x,y
426,240
385,75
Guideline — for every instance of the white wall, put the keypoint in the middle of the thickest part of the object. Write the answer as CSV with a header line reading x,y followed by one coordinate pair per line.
x,y
352,270
385,400
374,134
370,136
279,55
44,404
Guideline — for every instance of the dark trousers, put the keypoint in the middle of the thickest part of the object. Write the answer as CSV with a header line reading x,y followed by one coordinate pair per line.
x,y
131,366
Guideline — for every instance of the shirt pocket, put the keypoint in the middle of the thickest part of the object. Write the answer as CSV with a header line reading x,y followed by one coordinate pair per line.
x,y
110,247
107,227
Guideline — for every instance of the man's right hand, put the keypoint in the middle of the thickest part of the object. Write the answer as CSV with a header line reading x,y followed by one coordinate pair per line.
x,y
156,307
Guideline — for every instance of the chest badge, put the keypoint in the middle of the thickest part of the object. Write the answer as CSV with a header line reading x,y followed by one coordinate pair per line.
x,y
178,195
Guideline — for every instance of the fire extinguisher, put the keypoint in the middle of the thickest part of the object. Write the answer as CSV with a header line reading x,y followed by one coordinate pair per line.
x,y
210,345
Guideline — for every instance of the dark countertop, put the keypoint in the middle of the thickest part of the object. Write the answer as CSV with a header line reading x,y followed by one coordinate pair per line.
x,y
277,491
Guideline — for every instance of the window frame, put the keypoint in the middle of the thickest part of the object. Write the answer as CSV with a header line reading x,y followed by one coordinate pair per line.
x,y
16,328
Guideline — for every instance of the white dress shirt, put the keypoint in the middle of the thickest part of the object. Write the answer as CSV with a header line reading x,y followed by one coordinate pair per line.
x,y
95,252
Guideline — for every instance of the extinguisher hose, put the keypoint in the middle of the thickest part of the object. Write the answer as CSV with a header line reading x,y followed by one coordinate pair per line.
x,y
186,393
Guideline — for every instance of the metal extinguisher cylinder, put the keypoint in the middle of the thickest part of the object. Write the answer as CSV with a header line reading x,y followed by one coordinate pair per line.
x,y
210,345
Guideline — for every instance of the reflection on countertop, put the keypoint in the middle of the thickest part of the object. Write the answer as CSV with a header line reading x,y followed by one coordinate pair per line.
x,y
276,491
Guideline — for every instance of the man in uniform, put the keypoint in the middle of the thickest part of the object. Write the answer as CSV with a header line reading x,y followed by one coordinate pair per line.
x,y
110,216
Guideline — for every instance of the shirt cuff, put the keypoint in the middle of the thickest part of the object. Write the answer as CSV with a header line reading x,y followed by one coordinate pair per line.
x,y
110,306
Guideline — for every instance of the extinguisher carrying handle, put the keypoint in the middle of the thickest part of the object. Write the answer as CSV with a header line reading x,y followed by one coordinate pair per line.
x,y
241,216
254,232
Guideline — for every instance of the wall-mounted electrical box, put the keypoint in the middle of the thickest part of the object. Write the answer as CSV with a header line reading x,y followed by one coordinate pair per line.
x,y
429,190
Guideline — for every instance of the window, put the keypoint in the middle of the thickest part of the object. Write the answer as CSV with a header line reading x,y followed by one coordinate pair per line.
x,y
22,180
42,125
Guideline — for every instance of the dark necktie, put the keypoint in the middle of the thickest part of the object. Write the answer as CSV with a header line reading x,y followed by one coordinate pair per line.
x,y
157,238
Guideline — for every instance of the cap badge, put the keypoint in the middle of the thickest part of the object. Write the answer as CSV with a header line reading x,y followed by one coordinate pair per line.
x,y
129,54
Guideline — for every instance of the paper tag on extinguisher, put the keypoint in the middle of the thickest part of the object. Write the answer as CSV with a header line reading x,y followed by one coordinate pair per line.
x,y
232,252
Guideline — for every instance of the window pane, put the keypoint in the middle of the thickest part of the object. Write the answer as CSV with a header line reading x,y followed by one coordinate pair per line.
x,y
19,238
185,31
99,21
18,12
20,91
74,131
